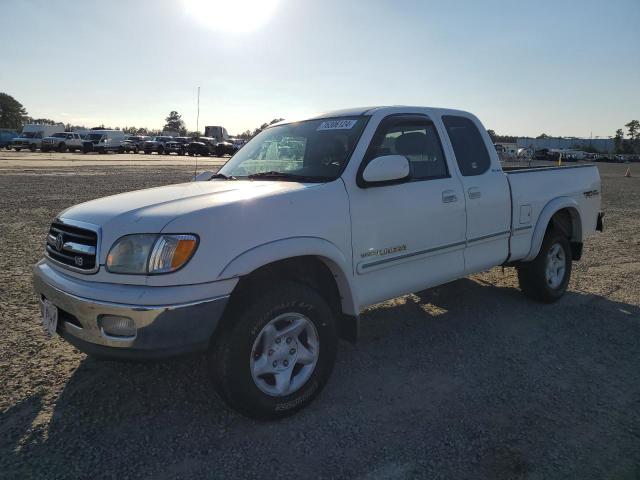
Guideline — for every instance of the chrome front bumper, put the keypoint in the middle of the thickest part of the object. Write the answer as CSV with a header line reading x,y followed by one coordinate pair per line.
x,y
160,330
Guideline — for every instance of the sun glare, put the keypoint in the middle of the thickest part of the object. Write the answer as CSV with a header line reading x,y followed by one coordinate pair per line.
x,y
241,16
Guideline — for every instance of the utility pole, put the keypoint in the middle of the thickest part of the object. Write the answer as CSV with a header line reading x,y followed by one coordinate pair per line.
x,y
198,114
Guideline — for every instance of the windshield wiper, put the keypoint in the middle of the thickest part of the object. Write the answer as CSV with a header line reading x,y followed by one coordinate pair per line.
x,y
285,176
223,176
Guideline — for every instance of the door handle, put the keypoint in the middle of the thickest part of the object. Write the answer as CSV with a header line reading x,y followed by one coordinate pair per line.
x,y
449,196
474,192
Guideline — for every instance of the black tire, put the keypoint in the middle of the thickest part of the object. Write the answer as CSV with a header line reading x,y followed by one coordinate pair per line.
x,y
160,150
62,148
33,148
147,152
229,355
17,149
532,275
45,150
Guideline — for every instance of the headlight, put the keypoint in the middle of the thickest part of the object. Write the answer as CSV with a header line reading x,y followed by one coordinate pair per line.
x,y
147,254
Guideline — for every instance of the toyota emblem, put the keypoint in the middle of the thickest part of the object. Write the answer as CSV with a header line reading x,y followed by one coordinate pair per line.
x,y
59,242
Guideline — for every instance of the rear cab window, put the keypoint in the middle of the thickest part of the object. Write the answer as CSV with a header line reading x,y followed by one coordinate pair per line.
x,y
468,145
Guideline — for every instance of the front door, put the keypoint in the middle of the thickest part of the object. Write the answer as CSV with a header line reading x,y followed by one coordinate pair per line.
x,y
410,235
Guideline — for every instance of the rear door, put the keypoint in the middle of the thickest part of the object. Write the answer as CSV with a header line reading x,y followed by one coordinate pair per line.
x,y
486,193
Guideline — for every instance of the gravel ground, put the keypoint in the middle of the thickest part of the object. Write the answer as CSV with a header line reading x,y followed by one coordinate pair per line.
x,y
468,380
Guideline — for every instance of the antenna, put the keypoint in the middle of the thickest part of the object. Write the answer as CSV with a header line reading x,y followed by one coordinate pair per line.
x,y
195,169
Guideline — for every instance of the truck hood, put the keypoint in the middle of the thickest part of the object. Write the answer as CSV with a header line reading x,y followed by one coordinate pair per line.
x,y
149,210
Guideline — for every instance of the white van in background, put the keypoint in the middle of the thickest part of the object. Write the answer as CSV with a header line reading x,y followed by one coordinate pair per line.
x,y
32,135
103,141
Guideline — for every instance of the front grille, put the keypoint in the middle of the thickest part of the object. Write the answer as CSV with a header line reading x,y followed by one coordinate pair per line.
x,y
72,246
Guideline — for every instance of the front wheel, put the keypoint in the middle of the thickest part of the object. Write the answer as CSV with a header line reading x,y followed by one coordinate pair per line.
x,y
546,277
276,353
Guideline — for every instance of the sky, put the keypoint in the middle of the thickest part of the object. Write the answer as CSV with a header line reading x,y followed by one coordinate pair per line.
x,y
569,68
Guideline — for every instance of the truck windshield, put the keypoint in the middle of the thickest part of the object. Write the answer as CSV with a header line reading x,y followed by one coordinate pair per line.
x,y
29,134
316,150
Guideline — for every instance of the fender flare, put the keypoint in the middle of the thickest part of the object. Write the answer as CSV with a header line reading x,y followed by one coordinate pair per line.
x,y
285,248
544,218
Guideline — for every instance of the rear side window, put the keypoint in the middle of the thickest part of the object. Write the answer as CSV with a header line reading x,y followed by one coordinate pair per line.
x,y
414,137
468,146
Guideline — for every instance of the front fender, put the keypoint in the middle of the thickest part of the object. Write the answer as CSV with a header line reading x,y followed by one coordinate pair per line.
x,y
285,248
544,218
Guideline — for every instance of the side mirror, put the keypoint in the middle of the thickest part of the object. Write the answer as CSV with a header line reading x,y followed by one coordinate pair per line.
x,y
388,168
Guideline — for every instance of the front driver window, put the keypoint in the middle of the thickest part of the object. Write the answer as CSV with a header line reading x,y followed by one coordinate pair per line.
x,y
416,139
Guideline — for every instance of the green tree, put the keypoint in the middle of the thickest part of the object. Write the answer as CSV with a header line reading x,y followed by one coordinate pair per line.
x,y
617,141
634,129
12,114
175,123
543,135
492,134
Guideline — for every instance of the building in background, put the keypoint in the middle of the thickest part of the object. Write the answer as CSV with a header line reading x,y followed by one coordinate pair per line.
x,y
603,145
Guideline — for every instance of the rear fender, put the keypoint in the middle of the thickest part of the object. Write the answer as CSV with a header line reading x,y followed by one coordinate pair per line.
x,y
544,218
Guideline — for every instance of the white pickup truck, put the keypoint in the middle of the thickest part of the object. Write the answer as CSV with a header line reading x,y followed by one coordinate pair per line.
x,y
265,264
62,141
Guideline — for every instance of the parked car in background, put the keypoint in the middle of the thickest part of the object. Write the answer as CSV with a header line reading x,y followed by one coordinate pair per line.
x,y
32,135
129,146
103,141
177,145
62,141
203,146
134,143
156,144
225,148
6,136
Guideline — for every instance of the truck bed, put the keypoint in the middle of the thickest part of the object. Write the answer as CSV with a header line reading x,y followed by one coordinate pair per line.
x,y
532,188
546,168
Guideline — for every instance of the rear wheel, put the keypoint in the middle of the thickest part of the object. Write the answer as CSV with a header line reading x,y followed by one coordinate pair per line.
x,y
276,353
62,148
17,149
546,277
32,147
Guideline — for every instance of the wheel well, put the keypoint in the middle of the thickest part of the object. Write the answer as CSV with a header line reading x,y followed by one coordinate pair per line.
x,y
308,270
567,222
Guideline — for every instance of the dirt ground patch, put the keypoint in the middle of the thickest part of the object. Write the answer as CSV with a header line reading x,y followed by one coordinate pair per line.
x,y
468,380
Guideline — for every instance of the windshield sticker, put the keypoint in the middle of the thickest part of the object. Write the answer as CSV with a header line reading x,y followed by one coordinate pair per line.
x,y
337,125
